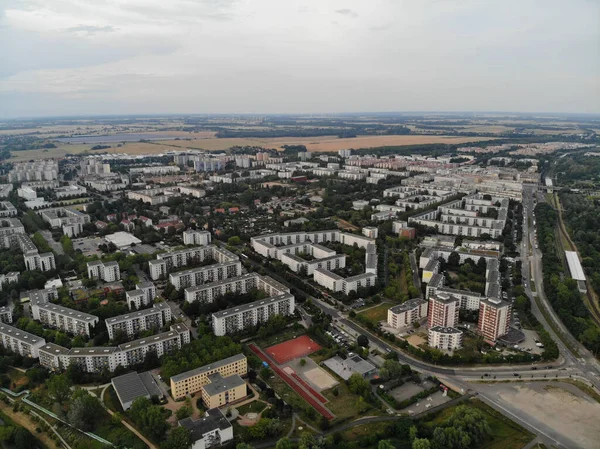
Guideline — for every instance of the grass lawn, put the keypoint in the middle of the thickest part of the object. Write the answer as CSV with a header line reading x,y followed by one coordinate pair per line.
x,y
111,401
344,405
506,434
377,313
253,407
286,393
364,429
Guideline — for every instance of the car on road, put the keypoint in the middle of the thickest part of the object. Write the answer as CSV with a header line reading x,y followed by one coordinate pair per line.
x,y
516,374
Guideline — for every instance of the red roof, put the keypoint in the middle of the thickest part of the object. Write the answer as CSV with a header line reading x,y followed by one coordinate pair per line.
x,y
234,209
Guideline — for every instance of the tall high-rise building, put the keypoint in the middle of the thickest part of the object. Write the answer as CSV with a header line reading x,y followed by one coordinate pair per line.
x,y
443,310
494,318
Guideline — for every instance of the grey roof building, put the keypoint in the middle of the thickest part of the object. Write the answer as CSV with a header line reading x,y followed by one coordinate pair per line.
x,y
131,386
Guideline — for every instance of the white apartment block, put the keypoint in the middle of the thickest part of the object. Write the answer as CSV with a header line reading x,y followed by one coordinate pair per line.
x,y
20,342
37,261
444,338
70,220
166,262
8,278
286,246
241,317
10,231
6,315
196,193
469,217
407,313
106,183
40,170
105,271
207,293
202,275
135,322
96,359
7,209
70,191
193,237
63,318
144,294
156,170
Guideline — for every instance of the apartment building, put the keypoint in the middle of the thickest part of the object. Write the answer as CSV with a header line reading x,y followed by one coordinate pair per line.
x,y
63,318
443,310
192,381
70,220
144,294
193,237
135,322
36,261
105,271
221,391
20,342
6,315
207,293
202,275
166,262
96,359
8,278
407,313
40,170
494,318
241,317
445,338
7,209
10,230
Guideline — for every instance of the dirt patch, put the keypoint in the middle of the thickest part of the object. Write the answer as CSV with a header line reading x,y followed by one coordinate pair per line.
x,y
320,378
559,405
416,340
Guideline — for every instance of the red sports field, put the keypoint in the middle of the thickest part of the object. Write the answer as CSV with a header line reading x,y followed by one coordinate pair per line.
x,y
292,349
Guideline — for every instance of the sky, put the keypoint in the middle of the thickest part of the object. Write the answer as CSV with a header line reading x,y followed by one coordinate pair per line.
x,y
96,57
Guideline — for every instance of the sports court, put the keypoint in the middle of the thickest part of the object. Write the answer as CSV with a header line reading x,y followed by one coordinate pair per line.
x,y
292,349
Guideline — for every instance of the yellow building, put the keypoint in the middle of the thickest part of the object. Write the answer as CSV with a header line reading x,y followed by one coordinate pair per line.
x,y
223,390
192,381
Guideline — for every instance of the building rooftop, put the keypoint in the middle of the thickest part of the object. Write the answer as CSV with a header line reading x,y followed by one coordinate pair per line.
x,y
93,351
210,367
575,266
252,305
212,420
141,342
444,330
219,384
54,349
131,386
75,314
156,308
19,334
408,305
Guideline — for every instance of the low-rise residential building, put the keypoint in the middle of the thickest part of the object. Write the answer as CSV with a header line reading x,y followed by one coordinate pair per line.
x,y
6,315
445,338
63,318
192,381
213,429
236,319
144,294
70,220
194,237
221,390
133,323
70,191
407,313
106,271
20,342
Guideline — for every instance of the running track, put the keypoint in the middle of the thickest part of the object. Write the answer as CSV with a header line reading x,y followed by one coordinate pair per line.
x,y
294,385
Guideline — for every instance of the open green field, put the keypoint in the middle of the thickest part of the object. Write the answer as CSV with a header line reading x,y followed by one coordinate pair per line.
x,y
377,313
253,407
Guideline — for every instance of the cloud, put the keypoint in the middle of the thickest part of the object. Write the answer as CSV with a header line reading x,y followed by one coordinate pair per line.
x,y
90,30
346,12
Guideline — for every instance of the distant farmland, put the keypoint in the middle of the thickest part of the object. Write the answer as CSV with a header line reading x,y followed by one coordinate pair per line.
x,y
207,142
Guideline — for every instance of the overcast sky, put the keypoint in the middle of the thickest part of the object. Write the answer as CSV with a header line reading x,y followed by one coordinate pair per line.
x,y
77,57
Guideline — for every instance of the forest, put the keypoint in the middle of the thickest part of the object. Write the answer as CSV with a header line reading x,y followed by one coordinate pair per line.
x,y
561,290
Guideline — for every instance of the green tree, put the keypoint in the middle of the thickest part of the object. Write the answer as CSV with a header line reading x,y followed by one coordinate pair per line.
x,y
358,385
421,443
385,444
234,241
179,438
59,387
363,341
284,443
23,439
244,446
84,410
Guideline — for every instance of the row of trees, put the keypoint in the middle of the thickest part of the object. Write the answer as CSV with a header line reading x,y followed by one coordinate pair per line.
x,y
561,290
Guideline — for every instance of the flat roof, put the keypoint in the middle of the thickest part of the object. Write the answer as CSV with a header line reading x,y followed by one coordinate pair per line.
x,y
219,384
408,305
210,367
252,305
141,342
445,330
129,387
54,349
155,309
76,314
211,421
94,351
575,266
19,334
